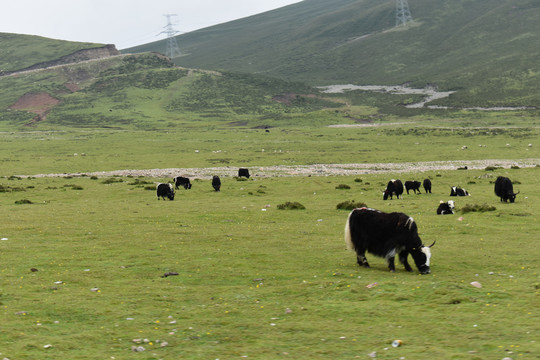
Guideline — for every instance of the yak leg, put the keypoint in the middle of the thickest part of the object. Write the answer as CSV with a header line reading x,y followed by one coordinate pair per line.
x,y
403,259
361,259
391,264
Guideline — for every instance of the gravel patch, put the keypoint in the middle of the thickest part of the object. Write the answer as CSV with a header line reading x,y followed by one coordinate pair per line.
x,y
308,170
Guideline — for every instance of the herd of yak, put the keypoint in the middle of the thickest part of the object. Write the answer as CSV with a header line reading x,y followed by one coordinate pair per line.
x,y
385,235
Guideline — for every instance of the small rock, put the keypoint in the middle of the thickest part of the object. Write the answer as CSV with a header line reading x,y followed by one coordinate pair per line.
x,y
476,284
137,348
171,273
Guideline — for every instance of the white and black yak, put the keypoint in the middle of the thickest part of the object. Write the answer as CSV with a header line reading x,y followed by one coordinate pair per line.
x,y
394,187
165,191
446,208
386,235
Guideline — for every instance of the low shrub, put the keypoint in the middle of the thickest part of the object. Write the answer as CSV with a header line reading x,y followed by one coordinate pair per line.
x,y
477,208
350,205
291,206
343,187
112,181
24,201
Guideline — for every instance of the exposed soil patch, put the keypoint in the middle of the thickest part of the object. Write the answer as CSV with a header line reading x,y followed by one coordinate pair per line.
x,y
37,103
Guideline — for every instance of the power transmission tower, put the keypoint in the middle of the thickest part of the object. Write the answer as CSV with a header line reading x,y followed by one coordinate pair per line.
x,y
402,12
172,47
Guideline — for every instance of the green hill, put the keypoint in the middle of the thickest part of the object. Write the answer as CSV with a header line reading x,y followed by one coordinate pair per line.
x,y
145,91
487,50
22,51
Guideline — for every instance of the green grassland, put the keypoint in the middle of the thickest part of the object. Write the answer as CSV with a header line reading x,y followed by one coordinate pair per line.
x,y
252,280
257,282
86,150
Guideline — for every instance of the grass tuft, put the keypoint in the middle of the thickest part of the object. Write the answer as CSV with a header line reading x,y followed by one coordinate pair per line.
x,y
350,205
291,206
477,208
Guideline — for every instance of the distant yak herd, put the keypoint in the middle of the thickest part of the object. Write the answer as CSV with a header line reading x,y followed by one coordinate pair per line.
x,y
166,190
385,235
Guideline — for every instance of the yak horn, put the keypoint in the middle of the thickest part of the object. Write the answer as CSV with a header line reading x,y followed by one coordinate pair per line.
x,y
432,244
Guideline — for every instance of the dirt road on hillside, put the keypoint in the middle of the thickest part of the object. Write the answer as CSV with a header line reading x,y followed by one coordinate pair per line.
x,y
310,170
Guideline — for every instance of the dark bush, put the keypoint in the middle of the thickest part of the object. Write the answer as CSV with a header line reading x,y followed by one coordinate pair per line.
x,y
343,187
350,205
291,206
477,208
24,201
112,180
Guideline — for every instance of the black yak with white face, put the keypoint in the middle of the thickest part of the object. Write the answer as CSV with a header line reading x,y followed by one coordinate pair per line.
x,y
505,189
457,191
446,208
394,187
386,235
165,191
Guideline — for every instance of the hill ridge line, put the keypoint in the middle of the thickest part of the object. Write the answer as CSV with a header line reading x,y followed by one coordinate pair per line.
x,y
309,170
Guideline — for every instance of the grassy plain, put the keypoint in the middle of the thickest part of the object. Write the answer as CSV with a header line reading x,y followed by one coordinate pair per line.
x,y
257,282
309,141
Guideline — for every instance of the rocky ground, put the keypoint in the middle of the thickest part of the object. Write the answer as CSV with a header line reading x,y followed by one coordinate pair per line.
x,y
309,170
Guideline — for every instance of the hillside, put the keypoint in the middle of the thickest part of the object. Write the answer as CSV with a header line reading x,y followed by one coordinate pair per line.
x,y
143,91
22,51
487,50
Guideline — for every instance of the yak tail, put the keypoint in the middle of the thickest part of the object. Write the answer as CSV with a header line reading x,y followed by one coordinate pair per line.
x,y
348,239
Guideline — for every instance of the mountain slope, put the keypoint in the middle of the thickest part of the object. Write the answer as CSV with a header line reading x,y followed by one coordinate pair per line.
x,y
22,51
487,50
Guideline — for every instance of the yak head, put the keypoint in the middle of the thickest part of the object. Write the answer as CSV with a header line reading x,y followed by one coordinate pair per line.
x,y
171,192
512,196
422,257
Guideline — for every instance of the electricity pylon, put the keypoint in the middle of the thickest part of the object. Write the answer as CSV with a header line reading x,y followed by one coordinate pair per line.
x,y
403,15
172,47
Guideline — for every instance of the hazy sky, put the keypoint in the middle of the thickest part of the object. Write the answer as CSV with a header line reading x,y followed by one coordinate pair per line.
x,y
125,23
